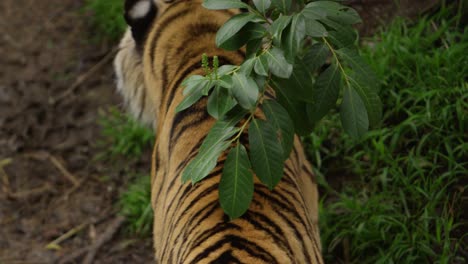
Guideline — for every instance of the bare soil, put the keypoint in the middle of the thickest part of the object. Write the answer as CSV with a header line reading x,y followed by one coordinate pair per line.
x,y
54,77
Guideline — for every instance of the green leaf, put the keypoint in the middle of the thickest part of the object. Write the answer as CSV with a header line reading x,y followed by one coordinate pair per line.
x,y
282,122
347,16
352,58
193,94
223,4
232,26
313,13
247,66
369,97
204,162
340,13
278,64
326,91
255,31
192,79
245,90
225,81
262,5
296,109
328,6
341,35
207,87
261,65
225,69
219,102
363,80
195,83
213,145
236,186
299,85
340,40
266,153
277,27
316,56
293,37
253,47
250,31
283,5
353,114
314,28
261,81
206,159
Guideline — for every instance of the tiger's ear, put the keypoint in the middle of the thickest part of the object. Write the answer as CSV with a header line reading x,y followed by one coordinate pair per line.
x,y
140,15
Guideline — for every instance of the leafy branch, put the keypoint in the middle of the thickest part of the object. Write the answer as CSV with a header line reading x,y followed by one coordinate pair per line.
x,y
287,48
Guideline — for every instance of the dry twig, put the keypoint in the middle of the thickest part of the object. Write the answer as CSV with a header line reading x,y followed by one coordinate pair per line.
x,y
104,238
55,244
43,155
63,170
5,181
32,192
92,250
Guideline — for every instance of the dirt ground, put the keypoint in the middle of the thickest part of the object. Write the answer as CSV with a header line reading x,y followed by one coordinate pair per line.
x,y
53,80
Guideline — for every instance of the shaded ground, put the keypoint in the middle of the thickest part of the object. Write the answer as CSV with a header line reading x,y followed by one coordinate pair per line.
x,y
49,101
53,80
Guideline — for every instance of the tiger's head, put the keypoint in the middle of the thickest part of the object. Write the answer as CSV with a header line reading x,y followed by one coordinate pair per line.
x,y
141,16
128,63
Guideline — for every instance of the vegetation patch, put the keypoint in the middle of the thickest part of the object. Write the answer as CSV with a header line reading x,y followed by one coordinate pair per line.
x,y
135,205
123,135
125,141
400,196
107,17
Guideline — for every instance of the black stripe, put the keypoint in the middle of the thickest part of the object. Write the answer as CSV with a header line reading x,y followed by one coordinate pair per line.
x,y
218,229
196,114
212,206
163,25
177,177
188,229
277,233
226,257
191,154
241,244
309,172
188,190
280,207
281,203
195,31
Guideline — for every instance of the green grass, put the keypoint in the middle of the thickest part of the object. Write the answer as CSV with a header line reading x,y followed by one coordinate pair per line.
x,y
135,205
107,17
124,141
123,136
400,199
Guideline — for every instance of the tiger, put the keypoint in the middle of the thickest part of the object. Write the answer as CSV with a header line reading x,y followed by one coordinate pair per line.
x,y
162,46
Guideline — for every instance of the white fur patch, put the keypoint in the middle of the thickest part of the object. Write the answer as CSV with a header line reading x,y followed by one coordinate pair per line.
x,y
140,9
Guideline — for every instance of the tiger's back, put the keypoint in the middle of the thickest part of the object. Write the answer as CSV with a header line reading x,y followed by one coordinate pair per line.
x,y
190,226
